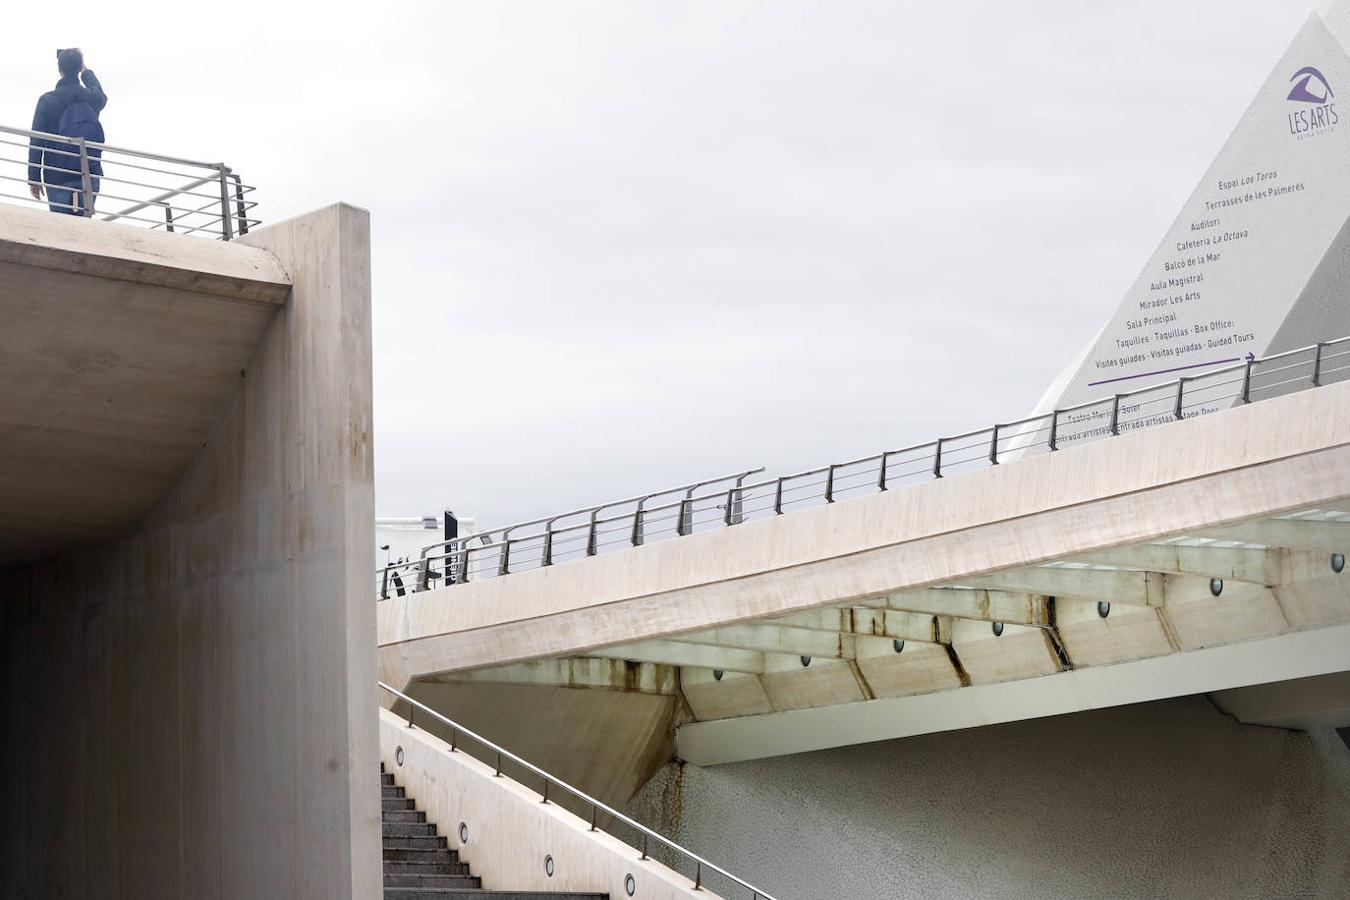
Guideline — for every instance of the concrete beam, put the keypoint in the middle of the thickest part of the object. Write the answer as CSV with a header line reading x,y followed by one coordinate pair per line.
x,y
1115,585
32,239
1300,655
971,603
1294,534
1230,563
861,620
576,672
675,653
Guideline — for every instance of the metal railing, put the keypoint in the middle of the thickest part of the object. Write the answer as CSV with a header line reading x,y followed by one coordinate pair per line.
x,y
701,867
633,522
578,533
163,193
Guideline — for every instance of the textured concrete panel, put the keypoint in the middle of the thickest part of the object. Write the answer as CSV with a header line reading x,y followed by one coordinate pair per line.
x,y
1168,799
189,710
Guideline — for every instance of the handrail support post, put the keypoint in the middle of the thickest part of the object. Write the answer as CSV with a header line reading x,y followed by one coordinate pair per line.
x,y
226,231
86,180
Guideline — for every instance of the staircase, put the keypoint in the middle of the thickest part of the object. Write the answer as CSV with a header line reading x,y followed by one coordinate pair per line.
x,y
419,866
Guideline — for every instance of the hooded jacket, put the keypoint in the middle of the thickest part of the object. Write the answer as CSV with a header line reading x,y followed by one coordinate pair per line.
x,y
47,118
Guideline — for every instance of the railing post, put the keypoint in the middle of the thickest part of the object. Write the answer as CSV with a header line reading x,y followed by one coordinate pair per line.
x,y
637,523
778,498
1054,429
240,209
463,566
504,563
881,478
226,231
829,484
683,521
726,512
644,845
1247,382
1317,365
1115,415
698,877
937,460
86,180
384,584
591,543
687,510
423,573
168,218
993,447
1181,394
738,506
548,543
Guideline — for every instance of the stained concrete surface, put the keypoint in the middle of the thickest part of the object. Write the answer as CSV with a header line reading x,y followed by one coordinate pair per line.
x,y
188,710
1171,799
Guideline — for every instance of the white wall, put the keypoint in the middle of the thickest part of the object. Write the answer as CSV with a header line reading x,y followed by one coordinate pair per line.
x,y
1170,799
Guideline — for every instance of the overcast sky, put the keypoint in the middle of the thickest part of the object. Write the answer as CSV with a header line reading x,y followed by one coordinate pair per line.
x,y
623,245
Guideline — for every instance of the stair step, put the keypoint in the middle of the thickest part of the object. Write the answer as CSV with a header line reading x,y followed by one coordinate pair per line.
x,y
403,880
414,844
418,864
408,829
438,867
404,815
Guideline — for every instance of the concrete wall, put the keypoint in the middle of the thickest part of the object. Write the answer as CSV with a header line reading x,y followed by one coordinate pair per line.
x,y
510,831
606,742
189,711
1171,799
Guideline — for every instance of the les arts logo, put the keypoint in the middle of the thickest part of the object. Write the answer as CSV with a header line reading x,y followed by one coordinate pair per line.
x,y
1316,114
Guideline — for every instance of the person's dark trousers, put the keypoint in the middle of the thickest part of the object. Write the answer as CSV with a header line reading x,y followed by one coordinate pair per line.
x,y
67,200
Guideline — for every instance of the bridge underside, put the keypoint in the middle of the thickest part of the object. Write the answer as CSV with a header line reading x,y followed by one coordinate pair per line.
x,y
1266,594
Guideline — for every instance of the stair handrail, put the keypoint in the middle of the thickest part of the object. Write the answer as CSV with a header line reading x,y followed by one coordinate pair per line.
x,y
597,807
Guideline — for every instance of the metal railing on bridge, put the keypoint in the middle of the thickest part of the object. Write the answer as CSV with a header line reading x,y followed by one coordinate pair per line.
x,y
163,193
729,501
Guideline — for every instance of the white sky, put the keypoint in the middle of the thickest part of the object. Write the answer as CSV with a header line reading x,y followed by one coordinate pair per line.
x,y
623,245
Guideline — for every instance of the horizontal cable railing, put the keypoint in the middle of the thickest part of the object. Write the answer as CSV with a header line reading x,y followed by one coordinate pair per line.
x,y
551,787
162,193
728,501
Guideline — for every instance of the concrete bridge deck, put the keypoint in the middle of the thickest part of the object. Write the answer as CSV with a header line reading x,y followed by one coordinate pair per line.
x,y
762,628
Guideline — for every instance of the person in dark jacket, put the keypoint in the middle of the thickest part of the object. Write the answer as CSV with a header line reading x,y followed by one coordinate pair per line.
x,y
51,169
